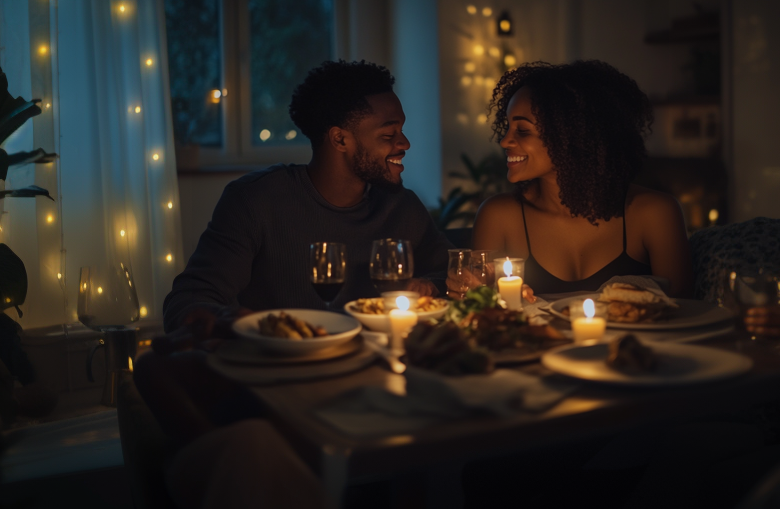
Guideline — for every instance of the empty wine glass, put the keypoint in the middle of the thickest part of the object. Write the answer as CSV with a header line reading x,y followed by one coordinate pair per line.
x,y
752,289
107,302
328,269
392,264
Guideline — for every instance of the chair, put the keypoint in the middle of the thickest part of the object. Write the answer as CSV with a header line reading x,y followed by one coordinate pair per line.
x,y
718,250
145,447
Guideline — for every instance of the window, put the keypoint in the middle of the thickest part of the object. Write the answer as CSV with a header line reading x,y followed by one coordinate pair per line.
x,y
233,65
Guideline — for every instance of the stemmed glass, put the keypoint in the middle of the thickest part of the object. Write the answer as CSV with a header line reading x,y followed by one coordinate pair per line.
x,y
107,302
392,264
328,263
752,289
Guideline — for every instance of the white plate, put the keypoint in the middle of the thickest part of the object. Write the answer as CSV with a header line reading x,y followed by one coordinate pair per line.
x,y
381,323
691,313
341,328
678,364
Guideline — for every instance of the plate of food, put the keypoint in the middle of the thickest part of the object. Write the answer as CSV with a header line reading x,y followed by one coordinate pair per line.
x,y
372,313
296,331
627,361
630,307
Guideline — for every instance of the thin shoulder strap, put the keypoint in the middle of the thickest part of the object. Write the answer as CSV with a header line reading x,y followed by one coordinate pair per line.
x,y
525,227
624,228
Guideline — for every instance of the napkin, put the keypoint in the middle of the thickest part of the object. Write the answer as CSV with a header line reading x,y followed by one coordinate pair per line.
x,y
431,397
654,284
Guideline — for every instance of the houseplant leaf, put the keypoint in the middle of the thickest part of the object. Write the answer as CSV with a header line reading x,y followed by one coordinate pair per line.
x,y
25,192
38,156
13,279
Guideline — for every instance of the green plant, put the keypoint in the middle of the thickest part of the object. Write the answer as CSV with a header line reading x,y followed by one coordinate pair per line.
x,y
487,178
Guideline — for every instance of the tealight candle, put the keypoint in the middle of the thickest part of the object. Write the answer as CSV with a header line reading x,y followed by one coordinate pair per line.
x,y
401,322
511,288
589,326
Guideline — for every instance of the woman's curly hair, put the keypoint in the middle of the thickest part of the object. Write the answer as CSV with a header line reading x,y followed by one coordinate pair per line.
x,y
592,119
334,94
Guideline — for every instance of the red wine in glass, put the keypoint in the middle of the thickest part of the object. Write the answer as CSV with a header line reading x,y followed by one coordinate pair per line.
x,y
392,265
328,267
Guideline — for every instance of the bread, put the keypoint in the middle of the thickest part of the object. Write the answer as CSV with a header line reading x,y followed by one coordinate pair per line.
x,y
627,303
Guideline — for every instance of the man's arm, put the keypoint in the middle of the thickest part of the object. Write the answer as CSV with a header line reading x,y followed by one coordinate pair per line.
x,y
222,263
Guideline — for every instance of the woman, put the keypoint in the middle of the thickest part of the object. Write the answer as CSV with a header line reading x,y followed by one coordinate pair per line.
x,y
573,138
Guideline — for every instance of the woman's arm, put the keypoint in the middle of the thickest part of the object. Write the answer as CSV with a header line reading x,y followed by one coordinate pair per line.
x,y
665,238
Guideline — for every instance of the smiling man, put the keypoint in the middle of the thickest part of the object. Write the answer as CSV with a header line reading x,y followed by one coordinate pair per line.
x,y
255,251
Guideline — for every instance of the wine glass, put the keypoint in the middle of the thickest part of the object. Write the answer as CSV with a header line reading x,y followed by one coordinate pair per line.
x,y
328,269
107,298
107,301
752,289
392,264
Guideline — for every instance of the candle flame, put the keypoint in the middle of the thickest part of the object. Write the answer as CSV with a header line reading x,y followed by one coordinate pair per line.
x,y
508,268
402,303
589,308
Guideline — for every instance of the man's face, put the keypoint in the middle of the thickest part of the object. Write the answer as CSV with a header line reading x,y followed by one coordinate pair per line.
x,y
381,145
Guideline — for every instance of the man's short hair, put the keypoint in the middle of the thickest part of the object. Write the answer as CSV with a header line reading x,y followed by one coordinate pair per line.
x,y
334,94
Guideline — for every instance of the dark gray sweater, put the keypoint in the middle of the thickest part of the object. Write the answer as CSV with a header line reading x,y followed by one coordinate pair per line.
x,y
255,251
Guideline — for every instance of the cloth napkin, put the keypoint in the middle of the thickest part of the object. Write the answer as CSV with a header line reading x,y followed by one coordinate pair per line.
x,y
431,397
654,284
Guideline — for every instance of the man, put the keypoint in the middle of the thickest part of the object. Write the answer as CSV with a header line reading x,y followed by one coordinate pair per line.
x,y
255,251
255,254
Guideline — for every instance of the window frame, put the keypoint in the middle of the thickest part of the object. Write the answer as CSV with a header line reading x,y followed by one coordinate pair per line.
x,y
237,150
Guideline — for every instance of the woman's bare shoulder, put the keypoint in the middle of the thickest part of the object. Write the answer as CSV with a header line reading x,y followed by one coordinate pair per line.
x,y
642,200
503,203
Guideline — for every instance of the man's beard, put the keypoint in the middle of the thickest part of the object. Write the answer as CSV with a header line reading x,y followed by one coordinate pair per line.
x,y
372,172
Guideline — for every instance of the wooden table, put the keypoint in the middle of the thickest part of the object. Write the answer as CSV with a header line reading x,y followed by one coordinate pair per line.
x,y
591,411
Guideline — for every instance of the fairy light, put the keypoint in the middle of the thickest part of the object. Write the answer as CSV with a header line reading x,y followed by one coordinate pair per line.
x,y
465,81
169,257
59,275
43,49
122,8
482,118
224,92
494,52
469,67
505,25
471,9
170,204
138,109
479,80
149,62
48,105
100,289
291,135
265,134
479,50
215,96
121,233
487,12
49,218
510,60
143,311
156,157
490,82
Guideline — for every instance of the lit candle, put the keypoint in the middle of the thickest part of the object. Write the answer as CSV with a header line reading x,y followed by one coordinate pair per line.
x,y
589,326
511,288
401,322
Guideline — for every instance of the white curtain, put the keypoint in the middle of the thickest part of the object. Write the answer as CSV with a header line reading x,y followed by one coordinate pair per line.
x,y
100,68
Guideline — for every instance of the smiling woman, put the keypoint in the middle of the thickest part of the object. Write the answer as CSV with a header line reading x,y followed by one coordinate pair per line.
x,y
573,139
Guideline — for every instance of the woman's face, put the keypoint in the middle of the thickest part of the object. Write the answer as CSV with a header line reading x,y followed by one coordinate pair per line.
x,y
526,155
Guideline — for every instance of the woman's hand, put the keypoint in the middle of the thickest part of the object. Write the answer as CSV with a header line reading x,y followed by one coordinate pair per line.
x,y
528,294
459,282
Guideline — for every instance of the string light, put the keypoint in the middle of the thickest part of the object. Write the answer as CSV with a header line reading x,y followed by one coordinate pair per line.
x,y
138,109
121,233
462,118
291,135
122,8
59,275
482,118
43,49
156,156
100,289
143,311
470,67
505,25
471,9
265,134
170,204
490,82
224,92
48,105
215,96
169,257
487,12
50,218
494,52
510,60
479,50
465,81
149,62
479,80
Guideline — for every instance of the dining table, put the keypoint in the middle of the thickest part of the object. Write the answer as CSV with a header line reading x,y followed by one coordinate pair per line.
x,y
435,453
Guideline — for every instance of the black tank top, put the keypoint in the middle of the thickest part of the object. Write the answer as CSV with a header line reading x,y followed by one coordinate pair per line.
x,y
538,278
